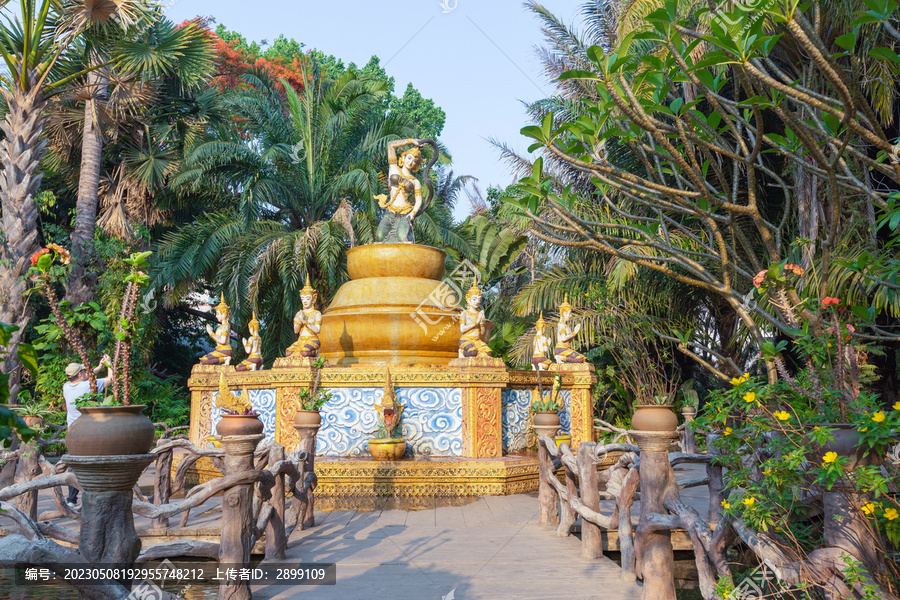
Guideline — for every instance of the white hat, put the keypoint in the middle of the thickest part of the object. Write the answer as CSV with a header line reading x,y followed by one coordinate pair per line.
x,y
74,369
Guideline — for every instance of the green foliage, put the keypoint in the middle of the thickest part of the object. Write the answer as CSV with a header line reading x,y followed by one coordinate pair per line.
x,y
9,421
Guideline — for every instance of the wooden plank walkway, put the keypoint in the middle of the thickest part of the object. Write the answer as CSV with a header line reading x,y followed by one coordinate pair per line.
x,y
491,548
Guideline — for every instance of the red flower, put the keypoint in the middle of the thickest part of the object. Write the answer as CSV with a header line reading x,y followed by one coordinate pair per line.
x,y
37,255
760,277
829,301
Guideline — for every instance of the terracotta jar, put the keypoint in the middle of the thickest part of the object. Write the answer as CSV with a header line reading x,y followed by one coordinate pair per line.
x,y
546,419
110,430
659,417
387,448
239,425
306,418
33,421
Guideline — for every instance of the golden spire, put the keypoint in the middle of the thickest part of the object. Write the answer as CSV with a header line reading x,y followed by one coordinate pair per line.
x,y
254,323
389,410
565,304
222,307
540,321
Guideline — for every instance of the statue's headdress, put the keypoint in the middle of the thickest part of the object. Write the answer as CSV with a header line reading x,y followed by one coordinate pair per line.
x,y
540,321
565,305
309,289
473,291
254,323
222,307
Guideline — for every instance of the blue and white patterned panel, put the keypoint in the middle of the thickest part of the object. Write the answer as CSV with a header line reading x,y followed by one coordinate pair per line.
x,y
565,415
262,401
514,408
431,421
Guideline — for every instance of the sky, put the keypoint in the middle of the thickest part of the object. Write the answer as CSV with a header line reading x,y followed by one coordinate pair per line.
x,y
475,59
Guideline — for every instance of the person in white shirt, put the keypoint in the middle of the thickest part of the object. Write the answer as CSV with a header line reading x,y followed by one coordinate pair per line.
x,y
77,386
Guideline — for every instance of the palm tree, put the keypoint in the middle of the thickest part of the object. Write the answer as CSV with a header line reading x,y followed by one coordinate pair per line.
x,y
33,45
161,51
299,170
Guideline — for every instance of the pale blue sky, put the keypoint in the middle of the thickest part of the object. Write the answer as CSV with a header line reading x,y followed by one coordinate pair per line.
x,y
476,61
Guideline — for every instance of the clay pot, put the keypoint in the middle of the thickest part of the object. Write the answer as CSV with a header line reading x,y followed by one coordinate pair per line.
x,y
239,425
654,418
546,419
846,439
306,418
33,421
387,448
110,430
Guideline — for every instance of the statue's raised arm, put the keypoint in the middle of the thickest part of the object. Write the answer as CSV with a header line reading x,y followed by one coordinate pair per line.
x,y
404,200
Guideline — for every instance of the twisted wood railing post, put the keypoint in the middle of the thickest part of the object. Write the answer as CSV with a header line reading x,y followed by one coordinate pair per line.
x,y
237,514
28,467
568,516
690,441
591,541
548,499
656,558
162,484
275,537
308,443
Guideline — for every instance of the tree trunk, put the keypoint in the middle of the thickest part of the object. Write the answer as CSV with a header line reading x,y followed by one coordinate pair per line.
x,y
80,288
21,150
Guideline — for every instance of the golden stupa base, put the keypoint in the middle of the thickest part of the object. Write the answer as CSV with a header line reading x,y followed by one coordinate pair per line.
x,y
419,477
477,362
287,362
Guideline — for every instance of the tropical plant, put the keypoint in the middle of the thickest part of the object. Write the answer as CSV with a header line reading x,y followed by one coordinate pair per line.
x,y
158,55
9,421
313,398
302,173
35,45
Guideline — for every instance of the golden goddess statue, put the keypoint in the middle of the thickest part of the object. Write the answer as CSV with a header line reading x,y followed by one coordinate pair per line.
x,y
252,346
307,324
403,202
564,335
221,336
472,327
539,360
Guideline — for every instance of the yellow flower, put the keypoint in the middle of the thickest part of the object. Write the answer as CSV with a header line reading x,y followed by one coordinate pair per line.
x,y
868,508
767,472
725,504
878,417
782,415
897,405
829,457
728,431
736,381
748,502
750,397
863,429
891,513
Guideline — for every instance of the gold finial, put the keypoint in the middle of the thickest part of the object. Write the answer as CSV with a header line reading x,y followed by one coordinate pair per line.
x,y
565,304
254,323
228,401
309,289
473,291
540,321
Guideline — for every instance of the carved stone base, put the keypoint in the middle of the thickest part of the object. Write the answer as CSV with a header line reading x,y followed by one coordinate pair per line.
x,y
287,362
240,445
212,369
479,362
584,367
116,473
548,430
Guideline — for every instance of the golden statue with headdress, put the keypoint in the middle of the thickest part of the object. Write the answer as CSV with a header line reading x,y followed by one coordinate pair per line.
x,y
403,202
221,336
307,324
253,347
564,335
389,410
472,326
539,360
